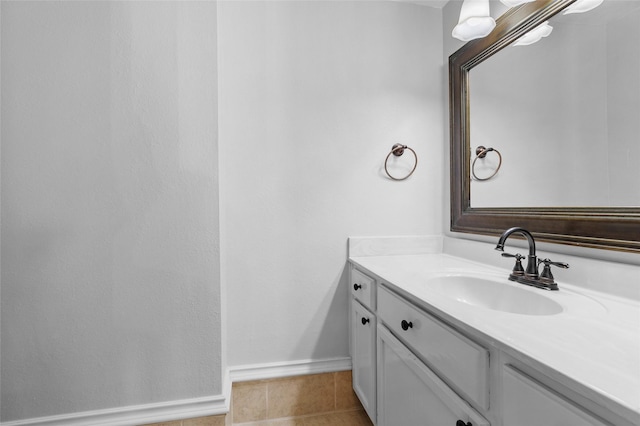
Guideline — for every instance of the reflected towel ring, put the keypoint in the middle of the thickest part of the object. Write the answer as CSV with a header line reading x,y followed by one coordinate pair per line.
x,y
398,150
481,152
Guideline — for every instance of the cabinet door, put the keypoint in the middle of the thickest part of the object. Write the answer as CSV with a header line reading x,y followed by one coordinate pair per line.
x,y
462,363
363,356
529,403
410,394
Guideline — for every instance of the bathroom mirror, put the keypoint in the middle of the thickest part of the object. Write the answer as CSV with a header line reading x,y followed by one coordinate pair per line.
x,y
519,195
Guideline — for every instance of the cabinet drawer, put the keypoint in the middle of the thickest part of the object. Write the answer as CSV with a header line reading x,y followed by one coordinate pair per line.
x,y
363,288
457,359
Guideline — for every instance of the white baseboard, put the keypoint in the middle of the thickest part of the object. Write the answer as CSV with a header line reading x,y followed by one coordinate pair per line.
x,y
139,414
188,408
245,373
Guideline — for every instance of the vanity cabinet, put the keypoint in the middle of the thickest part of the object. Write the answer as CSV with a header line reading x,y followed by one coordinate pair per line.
x,y
410,393
413,367
394,385
363,339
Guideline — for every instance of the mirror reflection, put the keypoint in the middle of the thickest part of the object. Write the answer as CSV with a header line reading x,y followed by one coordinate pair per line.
x,y
564,114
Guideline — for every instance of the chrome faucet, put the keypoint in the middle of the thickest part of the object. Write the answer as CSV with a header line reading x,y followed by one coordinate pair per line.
x,y
529,276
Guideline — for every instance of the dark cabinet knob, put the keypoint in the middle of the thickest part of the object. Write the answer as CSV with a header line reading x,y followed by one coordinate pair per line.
x,y
365,320
406,325
356,287
461,423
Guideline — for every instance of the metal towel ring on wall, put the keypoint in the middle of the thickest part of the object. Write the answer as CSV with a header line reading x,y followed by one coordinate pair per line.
x,y
398,150
481,152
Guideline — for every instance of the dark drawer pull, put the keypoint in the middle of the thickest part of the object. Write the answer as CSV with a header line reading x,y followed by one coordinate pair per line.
x,y
461,423
356,287
406,325
365,321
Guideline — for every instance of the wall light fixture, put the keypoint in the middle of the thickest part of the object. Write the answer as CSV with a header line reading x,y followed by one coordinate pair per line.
x,y
513,3
581,6
533,36
474,21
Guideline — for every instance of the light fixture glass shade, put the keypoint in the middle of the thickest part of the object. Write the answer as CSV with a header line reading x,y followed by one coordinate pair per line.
x,y
533,36
513,3
474,21
581,6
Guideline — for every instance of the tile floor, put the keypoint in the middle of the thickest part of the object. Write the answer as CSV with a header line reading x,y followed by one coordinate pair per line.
x,y
199,421
312,400
346,418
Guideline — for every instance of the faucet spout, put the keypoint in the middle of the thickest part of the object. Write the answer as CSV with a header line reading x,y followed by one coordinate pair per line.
x,y
503,238
531,271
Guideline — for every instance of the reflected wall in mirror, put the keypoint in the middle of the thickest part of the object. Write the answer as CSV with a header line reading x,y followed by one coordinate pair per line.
x,y
568,181
564,114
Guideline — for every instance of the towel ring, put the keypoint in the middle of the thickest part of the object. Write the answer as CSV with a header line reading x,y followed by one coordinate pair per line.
x,y
398,150
481,152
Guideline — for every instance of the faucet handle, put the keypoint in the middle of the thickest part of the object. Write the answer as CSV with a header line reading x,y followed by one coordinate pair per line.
x,y
518,270
546,277
518,256
548,262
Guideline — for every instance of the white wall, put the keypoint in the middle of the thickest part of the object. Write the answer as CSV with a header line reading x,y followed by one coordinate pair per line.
x,y
110,239
111,294
312,97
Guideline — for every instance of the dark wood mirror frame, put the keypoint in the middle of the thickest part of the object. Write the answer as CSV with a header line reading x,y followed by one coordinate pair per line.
x,y
606,228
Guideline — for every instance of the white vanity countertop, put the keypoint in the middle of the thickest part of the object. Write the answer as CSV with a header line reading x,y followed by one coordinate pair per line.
x,y
594,342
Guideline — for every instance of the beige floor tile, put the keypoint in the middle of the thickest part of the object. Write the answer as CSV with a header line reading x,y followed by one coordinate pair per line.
x,y
249,402
358,418
352,418
324,420
286,422
345,397
349,418
298,396
205,421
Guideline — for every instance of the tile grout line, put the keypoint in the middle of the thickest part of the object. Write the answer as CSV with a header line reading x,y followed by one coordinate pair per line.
x,y
266,398
304,416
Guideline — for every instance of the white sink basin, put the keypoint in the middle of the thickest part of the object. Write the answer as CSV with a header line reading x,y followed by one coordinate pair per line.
x,y
495,295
